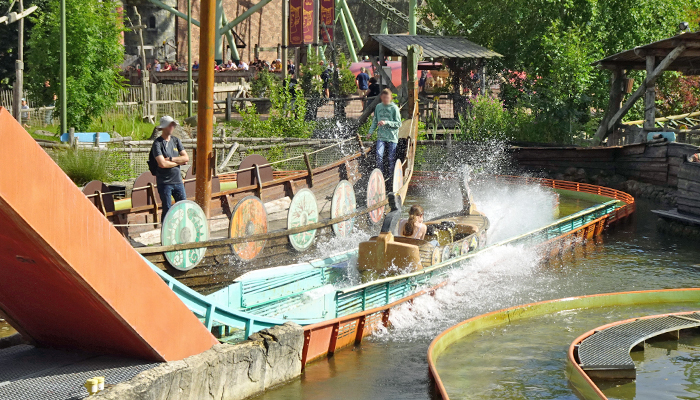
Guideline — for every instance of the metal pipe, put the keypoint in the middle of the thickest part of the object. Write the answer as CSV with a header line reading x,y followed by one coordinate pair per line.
x,y
205,106
172,10
346,33
245,15
63,91
412,17
285,37
231,41
189,59
385,27
350,21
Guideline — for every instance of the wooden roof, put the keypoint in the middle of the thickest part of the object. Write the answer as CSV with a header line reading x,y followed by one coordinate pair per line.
x,y
433,46
688,62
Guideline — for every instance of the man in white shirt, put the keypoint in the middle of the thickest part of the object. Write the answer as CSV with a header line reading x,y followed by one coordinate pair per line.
x,y
242,65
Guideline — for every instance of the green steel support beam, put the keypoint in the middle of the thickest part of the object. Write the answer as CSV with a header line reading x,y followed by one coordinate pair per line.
x,y
346,33
385,27
218,36
252,10
172,10
64,79
231,42
412,17
351,22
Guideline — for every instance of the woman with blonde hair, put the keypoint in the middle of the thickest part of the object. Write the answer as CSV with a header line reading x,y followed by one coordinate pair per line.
x,y
413,227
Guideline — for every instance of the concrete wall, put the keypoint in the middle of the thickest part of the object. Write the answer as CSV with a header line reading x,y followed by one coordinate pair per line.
x,y
226,372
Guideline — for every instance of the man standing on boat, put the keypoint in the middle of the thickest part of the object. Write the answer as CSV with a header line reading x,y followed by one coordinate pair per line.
x,y
387,121
169,154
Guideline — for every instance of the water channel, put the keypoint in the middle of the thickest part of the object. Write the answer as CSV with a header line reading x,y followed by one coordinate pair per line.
x,y
392,364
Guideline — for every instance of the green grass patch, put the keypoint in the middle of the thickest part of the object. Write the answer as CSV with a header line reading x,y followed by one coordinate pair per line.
x,y
83,166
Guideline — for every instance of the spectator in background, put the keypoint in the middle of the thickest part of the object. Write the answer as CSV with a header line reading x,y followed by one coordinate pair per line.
x,y
373,90
156,65
167,67
195,66
149,67
242,65
25,114
290,67
421,81
229,66
326,78
362,81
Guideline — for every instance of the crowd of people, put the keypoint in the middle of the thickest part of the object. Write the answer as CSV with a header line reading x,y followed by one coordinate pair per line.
x,y
229,65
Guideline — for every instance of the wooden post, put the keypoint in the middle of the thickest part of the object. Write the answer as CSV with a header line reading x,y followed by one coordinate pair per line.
x,y
71,136
649,97
615,96
604,129
228,106
414,55
403,90
205,105
153,97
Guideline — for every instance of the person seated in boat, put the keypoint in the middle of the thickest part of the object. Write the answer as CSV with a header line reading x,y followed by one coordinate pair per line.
x,y
413,227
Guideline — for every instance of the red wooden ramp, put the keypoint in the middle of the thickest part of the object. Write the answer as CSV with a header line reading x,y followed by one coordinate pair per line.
x,y
68,279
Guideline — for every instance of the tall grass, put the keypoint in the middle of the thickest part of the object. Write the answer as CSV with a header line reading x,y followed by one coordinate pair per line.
x,y
83,166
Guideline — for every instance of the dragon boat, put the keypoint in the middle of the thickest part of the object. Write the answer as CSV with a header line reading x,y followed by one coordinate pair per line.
x,y
327,295
261,216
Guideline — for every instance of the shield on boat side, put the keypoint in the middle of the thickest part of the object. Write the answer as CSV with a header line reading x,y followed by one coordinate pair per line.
x,y
446,253
302,211
343,203
249,218
185,222
397,181
376,192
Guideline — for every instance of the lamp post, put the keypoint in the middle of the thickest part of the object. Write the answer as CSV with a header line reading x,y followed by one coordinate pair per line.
x,y
64,115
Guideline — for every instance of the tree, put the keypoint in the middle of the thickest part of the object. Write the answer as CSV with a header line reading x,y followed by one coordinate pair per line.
x,y
8,40
554,43
94,55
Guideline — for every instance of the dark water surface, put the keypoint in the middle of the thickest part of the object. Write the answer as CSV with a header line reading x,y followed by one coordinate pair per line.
x,y
392,364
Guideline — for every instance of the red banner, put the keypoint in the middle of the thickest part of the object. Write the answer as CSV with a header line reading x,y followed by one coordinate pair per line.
x,y
328,18
307,21
296,38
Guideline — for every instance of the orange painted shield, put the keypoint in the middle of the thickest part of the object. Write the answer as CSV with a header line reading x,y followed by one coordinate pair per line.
x,y
376,192
249,218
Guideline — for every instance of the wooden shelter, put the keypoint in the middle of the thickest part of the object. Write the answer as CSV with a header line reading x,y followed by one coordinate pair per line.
x,y
678,53
449,50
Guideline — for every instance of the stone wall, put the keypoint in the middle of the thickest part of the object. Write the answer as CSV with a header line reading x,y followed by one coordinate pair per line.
x,y
225,372
160,27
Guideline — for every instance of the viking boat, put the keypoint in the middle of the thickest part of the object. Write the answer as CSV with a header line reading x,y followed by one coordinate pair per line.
x,y
260,217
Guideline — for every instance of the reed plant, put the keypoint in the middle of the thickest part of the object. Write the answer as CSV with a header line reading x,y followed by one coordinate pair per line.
x,y
83,166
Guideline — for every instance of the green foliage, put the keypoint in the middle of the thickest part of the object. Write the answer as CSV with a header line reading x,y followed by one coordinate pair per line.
x,y
94,53
346,79
263,83
486,120
286,116
8,39
83,166
553,43
310,73
125,125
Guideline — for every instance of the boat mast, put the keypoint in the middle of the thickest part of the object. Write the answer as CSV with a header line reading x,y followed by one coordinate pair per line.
x,y
205,105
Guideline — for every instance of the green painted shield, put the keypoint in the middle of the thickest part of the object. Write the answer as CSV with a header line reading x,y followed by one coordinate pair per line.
x,y
302,211
343,203
185,222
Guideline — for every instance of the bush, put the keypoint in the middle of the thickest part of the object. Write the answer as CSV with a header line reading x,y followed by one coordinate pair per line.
x,y
286,115
486,120
263,83
83,166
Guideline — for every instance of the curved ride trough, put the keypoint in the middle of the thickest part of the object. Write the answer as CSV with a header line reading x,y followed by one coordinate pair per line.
x,y
577,377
